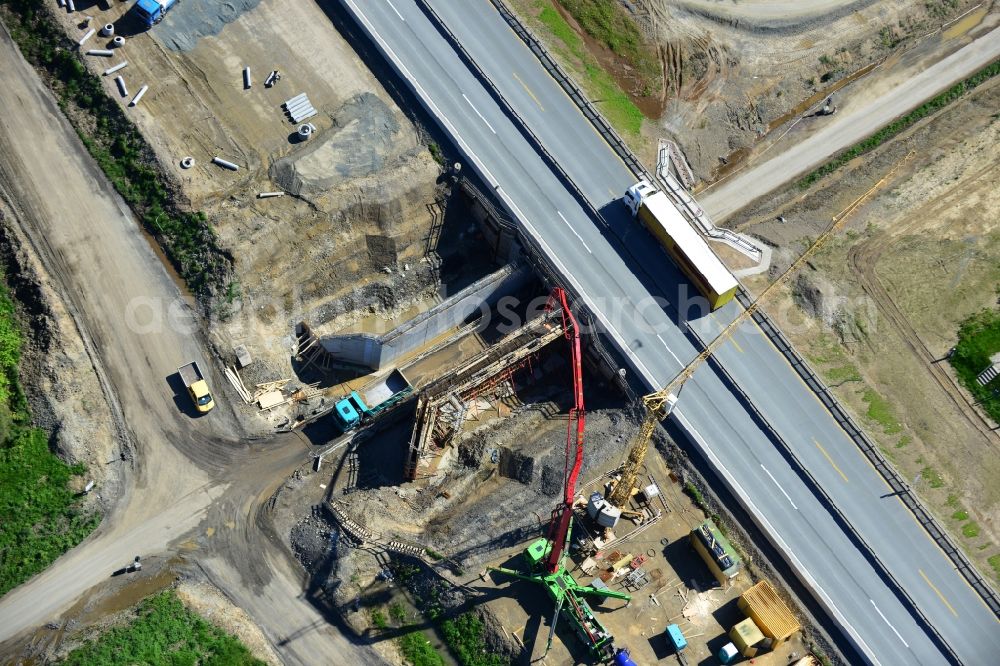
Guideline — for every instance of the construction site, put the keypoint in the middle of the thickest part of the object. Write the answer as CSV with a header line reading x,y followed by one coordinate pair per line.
x,y
416,431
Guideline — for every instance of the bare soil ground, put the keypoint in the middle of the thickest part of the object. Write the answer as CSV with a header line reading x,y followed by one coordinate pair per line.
x,y
491,496
356,210
58,374
734,72
877,310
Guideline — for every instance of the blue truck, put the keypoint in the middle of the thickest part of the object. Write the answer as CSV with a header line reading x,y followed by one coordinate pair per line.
x,y
150,12
363,406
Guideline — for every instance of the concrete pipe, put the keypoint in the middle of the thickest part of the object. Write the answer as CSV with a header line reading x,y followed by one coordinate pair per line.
x,y
121,86
225,164
108,30
305,131
246,78
138,96
86,36
118,41
104,53
301,104
111,70
187,162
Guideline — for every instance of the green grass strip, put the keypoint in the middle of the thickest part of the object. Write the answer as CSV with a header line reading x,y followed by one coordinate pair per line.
x,y
164,632
40,518
900,124
608,96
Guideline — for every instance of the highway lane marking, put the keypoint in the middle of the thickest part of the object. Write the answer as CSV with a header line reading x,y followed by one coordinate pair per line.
x,y
580,238
937,592
890,624
732,337
481,116
830,460
528,90
663,342
766,471
612,331
492,180
389,2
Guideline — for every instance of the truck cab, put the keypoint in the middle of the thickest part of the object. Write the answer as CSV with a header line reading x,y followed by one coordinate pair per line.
x,y
197,387
151,12
349,411
635,195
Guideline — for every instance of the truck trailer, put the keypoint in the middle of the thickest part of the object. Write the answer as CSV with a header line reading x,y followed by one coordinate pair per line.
x,y
196,387
363,406
684,245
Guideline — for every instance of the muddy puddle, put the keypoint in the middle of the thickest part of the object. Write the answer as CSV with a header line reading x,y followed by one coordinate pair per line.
x,y
964,24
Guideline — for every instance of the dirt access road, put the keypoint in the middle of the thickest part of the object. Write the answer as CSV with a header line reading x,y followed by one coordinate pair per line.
x,y
861,115
187,476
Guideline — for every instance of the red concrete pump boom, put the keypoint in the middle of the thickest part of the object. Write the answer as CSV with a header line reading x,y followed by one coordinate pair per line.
x,y
559,528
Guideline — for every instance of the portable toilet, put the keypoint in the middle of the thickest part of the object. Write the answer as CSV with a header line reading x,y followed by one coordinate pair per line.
x,y
676,638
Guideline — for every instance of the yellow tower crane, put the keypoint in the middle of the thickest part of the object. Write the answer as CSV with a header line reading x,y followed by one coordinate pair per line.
x,y
659,404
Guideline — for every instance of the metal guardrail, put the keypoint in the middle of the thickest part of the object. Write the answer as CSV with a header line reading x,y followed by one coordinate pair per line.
x,y
685,202
875,457
869,449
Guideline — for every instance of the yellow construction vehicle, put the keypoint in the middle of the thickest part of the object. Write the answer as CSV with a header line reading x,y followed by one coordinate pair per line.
x,y
659,404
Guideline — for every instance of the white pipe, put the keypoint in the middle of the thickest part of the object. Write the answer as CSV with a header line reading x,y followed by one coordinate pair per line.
x,y
270,78
72,7
246,78
88,35
62,3
108,30
118,41
121,86
268,195
138,95
294,99
112,70
225,164
100,52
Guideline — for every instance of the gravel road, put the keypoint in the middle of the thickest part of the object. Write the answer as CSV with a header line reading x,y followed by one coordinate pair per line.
x,y
186,474
856,119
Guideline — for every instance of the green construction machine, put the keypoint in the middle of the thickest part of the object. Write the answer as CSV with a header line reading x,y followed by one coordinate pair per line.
x,y
545,559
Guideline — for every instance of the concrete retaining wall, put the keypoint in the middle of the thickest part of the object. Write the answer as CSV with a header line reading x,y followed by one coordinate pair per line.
x,y
377,352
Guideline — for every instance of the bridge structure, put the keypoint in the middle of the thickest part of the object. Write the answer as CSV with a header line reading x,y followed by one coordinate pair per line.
x,y
891,582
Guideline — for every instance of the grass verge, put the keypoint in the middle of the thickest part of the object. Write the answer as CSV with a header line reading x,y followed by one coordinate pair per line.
x,y
881,412
897,126
40,517
610,24
600,86
163,632
978,339
118,148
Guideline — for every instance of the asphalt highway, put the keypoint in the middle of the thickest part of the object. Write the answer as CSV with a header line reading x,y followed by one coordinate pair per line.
x,y
619,287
